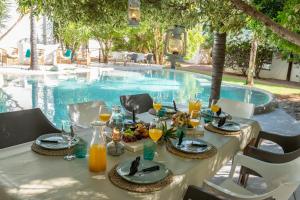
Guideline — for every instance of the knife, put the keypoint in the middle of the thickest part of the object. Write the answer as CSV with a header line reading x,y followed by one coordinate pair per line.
x,y
49,141
133,115
146,170
174,105
198,145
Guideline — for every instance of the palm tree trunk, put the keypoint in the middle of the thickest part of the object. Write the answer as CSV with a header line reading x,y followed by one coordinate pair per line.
x,y
218,59
33,42
290,67
252,62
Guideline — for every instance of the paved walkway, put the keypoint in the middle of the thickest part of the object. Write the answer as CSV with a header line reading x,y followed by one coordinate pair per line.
x,y
286,125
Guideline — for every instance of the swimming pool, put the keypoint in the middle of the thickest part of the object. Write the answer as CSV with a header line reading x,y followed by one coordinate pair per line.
x,y
52,93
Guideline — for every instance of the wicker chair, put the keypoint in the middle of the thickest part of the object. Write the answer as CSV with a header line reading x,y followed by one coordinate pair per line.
x,y
61,58
10,56
83,57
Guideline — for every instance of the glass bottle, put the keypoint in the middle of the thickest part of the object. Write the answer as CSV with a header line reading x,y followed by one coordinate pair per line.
x,y
117,117
97,151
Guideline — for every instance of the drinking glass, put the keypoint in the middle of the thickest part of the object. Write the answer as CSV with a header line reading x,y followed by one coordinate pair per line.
x,y
194,105
214,107
157,104
104,114
194,121
68,134
149,150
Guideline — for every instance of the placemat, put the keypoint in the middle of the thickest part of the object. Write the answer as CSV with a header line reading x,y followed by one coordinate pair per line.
x,y
139,188
47,152
211,128
205,155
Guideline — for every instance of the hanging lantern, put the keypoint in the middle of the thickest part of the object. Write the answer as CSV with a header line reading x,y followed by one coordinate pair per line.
x,y
176,41
175,44
134,12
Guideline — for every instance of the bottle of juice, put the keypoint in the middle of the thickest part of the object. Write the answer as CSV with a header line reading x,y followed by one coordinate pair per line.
x,y
97,151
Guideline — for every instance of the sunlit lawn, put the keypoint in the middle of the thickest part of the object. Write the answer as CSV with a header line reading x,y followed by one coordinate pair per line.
x,y
275,88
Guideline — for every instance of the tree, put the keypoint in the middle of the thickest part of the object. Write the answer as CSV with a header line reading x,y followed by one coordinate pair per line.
x,y
268,22
283,13
3,10
73,35
221,19
33,8
33,41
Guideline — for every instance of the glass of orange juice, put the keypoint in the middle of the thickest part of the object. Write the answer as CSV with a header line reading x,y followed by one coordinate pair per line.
x,y
157,104
195,120
214,107
104,114
194,105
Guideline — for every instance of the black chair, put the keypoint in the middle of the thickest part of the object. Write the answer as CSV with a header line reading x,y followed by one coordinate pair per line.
x,y
149,58
290,146
139,102
133,57
23,126
197,193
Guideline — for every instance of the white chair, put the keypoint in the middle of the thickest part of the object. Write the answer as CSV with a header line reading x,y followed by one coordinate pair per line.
x,y
281,179
236,108
82,114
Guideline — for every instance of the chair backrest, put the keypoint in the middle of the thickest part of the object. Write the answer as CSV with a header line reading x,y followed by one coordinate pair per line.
x,y
275,175
140,102
149,57
23,126
82,114
134,57
236,108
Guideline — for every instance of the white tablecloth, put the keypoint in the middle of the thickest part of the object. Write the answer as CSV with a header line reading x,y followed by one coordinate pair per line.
x,y
27,175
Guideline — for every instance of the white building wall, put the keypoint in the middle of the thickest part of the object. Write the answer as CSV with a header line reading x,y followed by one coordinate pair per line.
x,y
295,76
278,70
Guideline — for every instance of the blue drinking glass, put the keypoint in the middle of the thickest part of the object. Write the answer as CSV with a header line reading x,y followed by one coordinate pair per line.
x,y
149,150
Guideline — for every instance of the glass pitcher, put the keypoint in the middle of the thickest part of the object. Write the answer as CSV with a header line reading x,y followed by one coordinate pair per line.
x,y
97,151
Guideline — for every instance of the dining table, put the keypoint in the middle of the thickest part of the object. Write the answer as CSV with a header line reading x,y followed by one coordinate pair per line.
x,y
25,174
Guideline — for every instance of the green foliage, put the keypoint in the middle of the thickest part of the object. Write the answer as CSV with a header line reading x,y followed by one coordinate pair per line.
x,y
3,11
238,54
285,13
194,40
72,35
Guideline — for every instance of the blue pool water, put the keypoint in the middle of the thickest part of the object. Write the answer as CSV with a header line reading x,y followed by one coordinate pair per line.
x,y
53,93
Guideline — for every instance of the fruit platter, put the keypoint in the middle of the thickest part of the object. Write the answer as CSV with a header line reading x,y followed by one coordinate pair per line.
x,y
181,119
136,132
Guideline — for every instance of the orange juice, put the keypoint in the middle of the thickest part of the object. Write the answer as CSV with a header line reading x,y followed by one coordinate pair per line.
x,y
194,122
155,134
214,108
194,106
97,158
157,106
104,117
